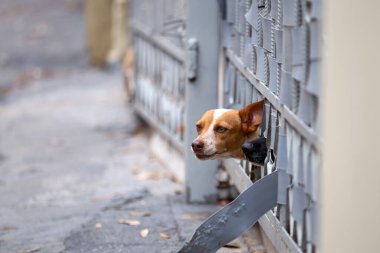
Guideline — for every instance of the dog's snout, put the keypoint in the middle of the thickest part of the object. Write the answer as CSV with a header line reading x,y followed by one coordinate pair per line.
x,y
197,145
247,147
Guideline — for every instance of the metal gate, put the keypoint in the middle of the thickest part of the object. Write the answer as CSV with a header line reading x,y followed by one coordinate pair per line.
x,y
272,51
268,49
159,28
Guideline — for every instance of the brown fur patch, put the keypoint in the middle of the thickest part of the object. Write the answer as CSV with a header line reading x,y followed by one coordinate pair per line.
x,y
205,121
231,140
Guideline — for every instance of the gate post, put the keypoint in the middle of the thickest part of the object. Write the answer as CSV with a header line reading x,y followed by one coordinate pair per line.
x,y
201,95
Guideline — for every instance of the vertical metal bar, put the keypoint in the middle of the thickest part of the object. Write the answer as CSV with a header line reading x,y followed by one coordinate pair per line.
x,y
201,95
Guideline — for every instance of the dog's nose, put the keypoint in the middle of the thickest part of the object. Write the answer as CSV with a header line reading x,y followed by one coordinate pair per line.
x,y
197,145
247,147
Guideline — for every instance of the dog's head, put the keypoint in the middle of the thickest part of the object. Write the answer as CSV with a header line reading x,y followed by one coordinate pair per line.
x,y
222,132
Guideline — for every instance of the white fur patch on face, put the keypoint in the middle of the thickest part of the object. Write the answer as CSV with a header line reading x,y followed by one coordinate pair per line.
x,y
209,136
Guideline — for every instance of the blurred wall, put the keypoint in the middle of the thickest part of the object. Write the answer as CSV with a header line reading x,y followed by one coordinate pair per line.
x,y
98,30
351,148
106,30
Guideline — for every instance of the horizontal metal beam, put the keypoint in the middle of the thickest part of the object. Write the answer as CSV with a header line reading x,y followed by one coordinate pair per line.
x,y
285,112
159,41
280,239
179,145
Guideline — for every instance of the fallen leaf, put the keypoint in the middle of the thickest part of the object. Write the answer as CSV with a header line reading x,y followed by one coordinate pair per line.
x,y
232,245
55,141
32,74
144,175
144,232
179,192
8,228
139,214
195,216
98,226
154,175
136,169
31,250
174,178
129,222
165,235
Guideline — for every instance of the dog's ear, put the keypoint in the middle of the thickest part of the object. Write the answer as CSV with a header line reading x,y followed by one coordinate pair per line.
x,y
251,116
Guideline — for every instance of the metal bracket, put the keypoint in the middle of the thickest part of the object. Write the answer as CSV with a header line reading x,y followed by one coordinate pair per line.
x,y
192,59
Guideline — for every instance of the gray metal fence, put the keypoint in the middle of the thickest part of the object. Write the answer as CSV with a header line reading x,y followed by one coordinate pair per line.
x,y
159,29
271,50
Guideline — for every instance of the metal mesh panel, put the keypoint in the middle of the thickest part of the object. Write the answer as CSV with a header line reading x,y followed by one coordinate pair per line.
x,y
278,57
159,30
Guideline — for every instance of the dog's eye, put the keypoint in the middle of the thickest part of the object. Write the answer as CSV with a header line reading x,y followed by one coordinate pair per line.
x,y
221,129
199,127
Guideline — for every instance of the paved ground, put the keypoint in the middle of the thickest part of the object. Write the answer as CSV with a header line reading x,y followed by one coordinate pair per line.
x,y
40,39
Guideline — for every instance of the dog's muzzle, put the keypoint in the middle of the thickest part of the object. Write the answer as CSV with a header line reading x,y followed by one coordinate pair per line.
x,y
256,151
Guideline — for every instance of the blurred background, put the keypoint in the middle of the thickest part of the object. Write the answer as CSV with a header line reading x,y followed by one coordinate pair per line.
x,y
99,99
43,39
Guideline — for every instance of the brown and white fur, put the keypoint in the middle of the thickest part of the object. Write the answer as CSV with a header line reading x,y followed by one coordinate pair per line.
x,y
222,132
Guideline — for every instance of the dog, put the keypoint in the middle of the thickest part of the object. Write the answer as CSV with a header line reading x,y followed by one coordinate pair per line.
x,y
222,132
